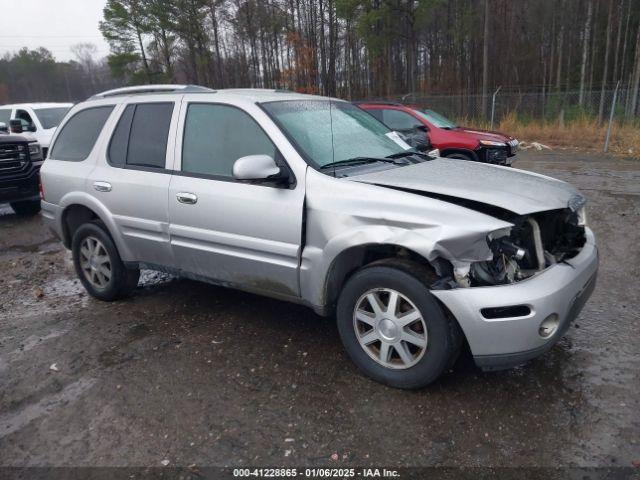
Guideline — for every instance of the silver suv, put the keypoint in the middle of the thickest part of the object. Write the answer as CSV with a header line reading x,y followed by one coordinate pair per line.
x,y
312,200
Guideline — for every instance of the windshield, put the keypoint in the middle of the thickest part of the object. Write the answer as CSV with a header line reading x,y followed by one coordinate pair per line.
x,y
436,119
51,117
329,131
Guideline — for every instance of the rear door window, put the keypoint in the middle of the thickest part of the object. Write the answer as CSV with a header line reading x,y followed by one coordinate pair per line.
x,y
117,155
140,138
148,136
78,136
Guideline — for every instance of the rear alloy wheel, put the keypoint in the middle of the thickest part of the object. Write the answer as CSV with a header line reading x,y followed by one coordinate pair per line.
x,y
98,264
95,262
391,326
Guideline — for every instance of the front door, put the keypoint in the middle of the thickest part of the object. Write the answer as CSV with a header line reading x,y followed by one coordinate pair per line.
x,y
245,235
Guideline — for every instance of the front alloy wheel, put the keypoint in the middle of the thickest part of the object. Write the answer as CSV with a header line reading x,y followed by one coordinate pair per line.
x,y
390,328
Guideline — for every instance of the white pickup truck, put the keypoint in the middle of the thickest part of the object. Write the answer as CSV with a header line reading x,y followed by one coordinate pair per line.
x,y
38,120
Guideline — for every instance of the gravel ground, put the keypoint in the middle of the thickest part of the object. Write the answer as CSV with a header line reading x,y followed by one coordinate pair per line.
x,y
197,374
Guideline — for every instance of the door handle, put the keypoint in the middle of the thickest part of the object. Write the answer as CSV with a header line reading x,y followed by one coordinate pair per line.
x,y
102,186
187,198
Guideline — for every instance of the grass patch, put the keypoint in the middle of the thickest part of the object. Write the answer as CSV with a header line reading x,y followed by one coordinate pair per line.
x,y
582,132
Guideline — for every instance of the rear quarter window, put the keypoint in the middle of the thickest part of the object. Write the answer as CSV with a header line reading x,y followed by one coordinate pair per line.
x,y
78,136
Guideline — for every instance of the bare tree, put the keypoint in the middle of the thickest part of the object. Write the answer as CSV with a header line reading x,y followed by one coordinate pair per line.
x,y
585,50
485,57
635,79
605,70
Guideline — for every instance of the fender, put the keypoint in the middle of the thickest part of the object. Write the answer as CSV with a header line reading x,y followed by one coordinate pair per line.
x,y
342,214
86,200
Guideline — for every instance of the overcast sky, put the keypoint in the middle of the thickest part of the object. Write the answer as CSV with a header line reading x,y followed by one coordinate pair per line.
x,y
54,24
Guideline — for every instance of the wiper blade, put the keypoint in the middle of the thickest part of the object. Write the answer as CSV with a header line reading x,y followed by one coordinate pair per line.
x,y
407,154
357,161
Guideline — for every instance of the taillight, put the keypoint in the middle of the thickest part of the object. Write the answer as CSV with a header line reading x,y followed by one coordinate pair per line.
x,y
41,188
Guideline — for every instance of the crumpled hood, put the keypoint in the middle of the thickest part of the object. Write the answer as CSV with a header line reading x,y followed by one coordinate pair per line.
x,y
507,188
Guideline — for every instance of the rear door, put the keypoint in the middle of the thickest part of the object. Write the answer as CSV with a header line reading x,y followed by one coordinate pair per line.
x,y
132,178
245,234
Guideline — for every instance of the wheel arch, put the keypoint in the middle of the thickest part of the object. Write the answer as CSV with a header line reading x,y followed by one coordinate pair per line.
x,y
448,151
353,258
81,208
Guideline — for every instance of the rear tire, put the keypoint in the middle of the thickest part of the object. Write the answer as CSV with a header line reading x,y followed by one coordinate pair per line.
x,y
385,342
98,264
28,207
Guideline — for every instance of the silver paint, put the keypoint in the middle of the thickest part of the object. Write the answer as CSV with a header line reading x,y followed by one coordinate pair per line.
x,y
289,242
514,190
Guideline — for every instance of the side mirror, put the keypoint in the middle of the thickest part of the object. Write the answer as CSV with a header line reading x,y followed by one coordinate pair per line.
x,y
258,168
15,125
422,128
4,128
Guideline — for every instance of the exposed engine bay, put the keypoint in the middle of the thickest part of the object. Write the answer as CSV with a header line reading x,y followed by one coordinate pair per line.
x,y
535,242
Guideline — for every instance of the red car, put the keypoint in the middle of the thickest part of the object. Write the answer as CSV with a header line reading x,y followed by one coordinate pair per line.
x,y
452,140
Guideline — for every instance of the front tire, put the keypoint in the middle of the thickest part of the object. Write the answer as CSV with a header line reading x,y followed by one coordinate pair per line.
x,y
28,207
393,328
98,264
460,156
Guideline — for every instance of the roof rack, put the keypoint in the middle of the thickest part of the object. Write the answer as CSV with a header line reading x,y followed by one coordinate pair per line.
x,y
141,89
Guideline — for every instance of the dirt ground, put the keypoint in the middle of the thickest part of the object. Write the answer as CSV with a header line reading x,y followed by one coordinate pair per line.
x,y
197,374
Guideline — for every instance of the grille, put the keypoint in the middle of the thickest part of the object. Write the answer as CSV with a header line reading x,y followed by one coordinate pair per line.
x,y
13,158
497,155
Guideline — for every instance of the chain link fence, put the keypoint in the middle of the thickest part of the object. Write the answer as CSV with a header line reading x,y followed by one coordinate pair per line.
x,y
548,106
613,106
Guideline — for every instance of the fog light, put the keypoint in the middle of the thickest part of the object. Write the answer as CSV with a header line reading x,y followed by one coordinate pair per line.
x,y
549,326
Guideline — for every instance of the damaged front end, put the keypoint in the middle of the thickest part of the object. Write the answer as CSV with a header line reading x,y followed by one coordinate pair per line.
x,y
534,243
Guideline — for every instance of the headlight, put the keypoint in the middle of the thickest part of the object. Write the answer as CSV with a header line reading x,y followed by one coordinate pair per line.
x,y
34,149
491,143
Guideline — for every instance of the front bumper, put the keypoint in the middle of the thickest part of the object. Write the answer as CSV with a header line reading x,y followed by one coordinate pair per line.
x,y
21,185
495,156
561,289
